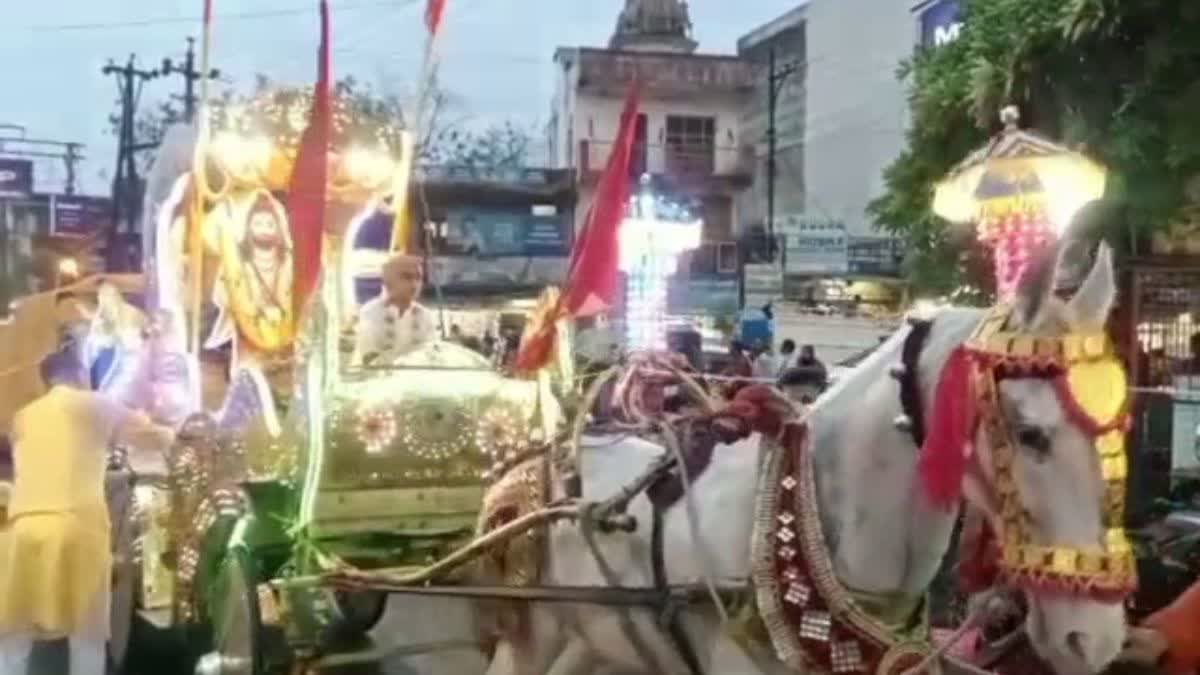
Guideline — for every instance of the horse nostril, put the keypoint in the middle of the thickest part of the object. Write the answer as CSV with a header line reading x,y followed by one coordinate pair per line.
x,y
1077,643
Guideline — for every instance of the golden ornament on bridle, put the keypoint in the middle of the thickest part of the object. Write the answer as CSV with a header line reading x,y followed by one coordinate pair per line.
x,y
1092,388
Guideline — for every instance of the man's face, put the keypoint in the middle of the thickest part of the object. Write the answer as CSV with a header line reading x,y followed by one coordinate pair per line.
x,y
402,282
807,354
264,230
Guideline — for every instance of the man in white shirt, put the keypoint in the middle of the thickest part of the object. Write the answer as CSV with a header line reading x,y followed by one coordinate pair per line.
x,y
766,366
395,323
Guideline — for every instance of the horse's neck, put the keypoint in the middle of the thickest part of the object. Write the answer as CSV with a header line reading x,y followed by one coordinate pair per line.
x,y
883,535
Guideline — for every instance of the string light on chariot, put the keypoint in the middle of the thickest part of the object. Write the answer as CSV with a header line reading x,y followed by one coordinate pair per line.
x,y
256,141
501,432
434,431
376,428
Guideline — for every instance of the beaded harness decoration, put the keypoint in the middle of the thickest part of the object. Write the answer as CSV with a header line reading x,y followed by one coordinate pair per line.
x,y
1091,386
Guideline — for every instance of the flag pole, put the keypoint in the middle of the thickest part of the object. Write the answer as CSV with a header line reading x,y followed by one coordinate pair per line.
x,y
401,222
199,192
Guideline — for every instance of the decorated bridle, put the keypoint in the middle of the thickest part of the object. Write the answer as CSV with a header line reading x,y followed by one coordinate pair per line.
x,y
1091,386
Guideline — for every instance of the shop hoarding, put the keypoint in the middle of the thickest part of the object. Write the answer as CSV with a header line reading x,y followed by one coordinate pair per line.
x,y
16,178
814,247
764,283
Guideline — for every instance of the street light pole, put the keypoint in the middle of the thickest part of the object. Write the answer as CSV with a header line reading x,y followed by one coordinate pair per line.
x,y
776,77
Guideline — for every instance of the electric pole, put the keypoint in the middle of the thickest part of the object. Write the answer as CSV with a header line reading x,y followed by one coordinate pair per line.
x,y
126,186
190,77
776,77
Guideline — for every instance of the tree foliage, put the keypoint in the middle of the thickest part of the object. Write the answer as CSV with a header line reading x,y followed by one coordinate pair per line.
x,y
497,147
1116,79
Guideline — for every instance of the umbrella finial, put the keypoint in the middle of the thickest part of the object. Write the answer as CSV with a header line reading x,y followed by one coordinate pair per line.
x,y
1010,115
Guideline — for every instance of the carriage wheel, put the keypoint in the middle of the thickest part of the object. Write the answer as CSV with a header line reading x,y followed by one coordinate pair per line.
x,y
359,611
125,579
237,622
123,601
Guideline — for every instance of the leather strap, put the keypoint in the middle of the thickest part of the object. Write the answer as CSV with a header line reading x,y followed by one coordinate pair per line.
x,y
910,385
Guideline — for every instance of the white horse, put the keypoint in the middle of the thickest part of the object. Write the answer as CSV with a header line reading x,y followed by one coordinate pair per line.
x,y
883,534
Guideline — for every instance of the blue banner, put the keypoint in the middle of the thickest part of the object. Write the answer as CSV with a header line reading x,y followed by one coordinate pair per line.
x,y
940,23
488,233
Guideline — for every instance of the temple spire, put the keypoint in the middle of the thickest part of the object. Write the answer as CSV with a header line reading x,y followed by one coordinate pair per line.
x,y
654,26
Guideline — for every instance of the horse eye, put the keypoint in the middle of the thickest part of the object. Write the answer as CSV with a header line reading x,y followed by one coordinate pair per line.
x,y
1034,439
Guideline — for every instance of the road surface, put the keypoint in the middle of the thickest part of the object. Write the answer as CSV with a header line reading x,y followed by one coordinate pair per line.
x,y
408,622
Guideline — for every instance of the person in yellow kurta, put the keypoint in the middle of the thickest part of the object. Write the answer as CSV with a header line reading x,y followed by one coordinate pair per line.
x,y
56,567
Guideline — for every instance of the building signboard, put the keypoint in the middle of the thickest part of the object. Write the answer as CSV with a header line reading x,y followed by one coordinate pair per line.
x,y
510,176
463,276
496,232
814,246
664,71
81,216
940,22
16,178
875,256
712,297
764,283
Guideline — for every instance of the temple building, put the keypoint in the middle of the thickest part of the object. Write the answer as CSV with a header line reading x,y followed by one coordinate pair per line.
x,y
688,137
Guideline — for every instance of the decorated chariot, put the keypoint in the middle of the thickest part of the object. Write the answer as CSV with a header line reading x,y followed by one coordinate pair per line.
x,y
293,459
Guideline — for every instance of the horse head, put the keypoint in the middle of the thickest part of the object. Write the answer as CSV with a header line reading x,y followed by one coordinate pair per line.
x,y
1048,466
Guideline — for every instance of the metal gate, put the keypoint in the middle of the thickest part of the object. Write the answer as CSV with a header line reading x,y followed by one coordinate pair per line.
x,y
1163,348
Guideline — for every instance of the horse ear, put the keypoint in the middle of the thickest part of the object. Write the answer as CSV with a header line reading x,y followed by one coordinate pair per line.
x,y
1036,289
1090,306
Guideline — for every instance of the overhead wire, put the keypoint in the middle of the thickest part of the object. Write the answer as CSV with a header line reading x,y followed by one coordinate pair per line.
x,y
236,16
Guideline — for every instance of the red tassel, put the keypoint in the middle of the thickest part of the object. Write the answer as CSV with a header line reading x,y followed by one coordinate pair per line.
x,y
947,447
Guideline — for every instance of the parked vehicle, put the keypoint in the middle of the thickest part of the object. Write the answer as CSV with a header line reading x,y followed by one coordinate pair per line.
x,y
1168,559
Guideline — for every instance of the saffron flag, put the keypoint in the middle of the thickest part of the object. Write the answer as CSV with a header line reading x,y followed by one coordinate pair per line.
x,y
433,14
592,274
306,191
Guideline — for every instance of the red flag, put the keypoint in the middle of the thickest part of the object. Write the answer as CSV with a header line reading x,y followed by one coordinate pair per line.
x,y
592,276
433,14
306,191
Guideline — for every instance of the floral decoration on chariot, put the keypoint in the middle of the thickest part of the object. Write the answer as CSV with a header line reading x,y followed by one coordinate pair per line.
x,y
1092,387
256,142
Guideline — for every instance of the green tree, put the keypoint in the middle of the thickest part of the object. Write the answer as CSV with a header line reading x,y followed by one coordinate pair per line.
x,y
1115,79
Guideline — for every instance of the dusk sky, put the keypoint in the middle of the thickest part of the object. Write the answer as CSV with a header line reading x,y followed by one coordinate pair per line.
x,y
496,54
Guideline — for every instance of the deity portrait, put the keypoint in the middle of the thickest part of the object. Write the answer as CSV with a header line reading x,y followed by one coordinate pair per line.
x,y
255,279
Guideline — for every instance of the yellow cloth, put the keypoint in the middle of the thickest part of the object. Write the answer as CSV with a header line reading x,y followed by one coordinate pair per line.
x,y
57,567
56,559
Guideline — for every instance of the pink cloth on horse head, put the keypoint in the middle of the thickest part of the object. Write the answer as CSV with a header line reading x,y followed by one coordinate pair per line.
x,y
943,461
